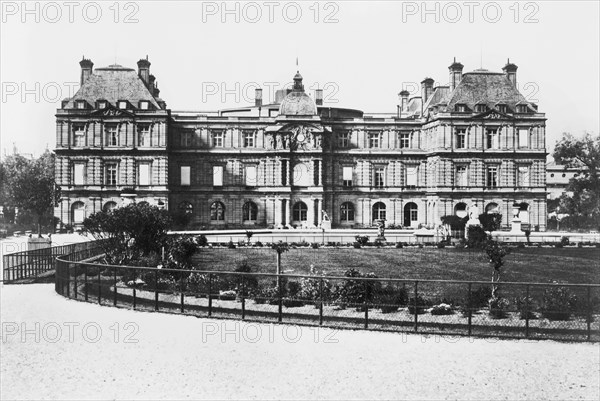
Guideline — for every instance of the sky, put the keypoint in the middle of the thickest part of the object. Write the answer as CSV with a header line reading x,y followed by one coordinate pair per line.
x,y
211,55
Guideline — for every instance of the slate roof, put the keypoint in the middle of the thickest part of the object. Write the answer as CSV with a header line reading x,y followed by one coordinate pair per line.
x,y
113,83
439,95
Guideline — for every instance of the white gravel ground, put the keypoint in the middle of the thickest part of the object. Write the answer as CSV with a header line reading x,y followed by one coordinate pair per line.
x,y
180,357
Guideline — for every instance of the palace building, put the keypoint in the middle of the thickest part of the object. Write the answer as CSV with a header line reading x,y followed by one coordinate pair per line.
x,y
476,141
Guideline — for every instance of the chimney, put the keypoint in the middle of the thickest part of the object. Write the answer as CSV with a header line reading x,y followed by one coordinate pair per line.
x,y
455,74
86,69
258,97
510,70
152,83
426,89
319,97
144,71
404,100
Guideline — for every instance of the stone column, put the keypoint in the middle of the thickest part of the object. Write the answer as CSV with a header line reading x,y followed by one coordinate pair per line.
x,y
288,212
319,211
277,208
320,175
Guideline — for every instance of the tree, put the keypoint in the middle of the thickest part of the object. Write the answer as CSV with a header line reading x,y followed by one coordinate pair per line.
x,y
490,221
129,232
29,185
583,153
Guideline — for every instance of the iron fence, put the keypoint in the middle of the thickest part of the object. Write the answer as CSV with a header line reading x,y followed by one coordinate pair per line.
x,y
31,264
523,310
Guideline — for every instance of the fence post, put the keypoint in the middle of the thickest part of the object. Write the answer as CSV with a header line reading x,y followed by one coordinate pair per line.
x,y
527,311
85,282
210,280
74,281
469,309
321,301
365,305
99,288
182,296
280,294
243,293
416,306
156,289
115,291
134,288
589,313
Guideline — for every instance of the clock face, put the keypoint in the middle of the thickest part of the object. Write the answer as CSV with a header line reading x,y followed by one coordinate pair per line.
x,y
300,138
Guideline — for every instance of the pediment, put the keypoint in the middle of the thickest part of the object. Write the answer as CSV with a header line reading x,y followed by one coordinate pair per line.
x,y
493,115
111,112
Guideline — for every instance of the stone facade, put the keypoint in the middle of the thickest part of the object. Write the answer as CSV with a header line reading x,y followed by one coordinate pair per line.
x,y
476,141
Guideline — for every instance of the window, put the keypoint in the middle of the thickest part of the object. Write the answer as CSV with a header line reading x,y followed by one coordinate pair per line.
x,y
217,139
108,206
112,135
461,136
79,135
461,176
144,105
522,108
249,139
523,176
80,104
217,176
344,139
502,108
379,211
299,212
144,135
251,177
461,108
102,104
492,177
185,172
79,174
78,214
374,139
480,108
411,214
111,174
411,176
460,210
491,135
217,211
523,137
186,139
122,104
347,174
492,208
144,174
249,211
186,208
347,212
379,177
404,140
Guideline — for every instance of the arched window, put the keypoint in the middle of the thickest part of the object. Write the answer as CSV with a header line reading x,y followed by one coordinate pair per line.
x,y
299,212
411,214
460,210
347,211
379,211
186,207
108,206
524,212
217,211
301,176
249,211
492,208
78,212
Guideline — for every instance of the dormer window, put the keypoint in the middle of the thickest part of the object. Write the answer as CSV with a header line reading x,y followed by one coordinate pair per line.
x,y
122,104
460,108
502,108
144,105
80,104
481,108
102,104
522,108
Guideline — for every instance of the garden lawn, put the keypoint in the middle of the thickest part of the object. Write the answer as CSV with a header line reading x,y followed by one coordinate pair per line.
x,y
573,265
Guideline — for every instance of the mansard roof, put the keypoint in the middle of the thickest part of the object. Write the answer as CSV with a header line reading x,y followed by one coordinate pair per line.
x,y
485,87
113,83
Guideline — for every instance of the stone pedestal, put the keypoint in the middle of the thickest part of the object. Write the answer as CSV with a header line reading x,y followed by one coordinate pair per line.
x,y
515,226
34,243
326,225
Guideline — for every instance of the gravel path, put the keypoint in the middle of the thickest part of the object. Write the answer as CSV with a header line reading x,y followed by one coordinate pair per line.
x,y
159,356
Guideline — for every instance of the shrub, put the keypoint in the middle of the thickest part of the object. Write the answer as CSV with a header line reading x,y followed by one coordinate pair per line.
x,y
421,305
230,245
355,292
480,297
201,240
246,284
181,249
476,237
558,303
498,307
564,241
442,309
158,281
420,245
580,245
315,245
362,239
228,295
525,311
441,245
310,288
399,245
269,294
356,245
389,298
258,244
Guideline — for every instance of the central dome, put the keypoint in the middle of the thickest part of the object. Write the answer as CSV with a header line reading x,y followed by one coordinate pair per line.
x,y
297,102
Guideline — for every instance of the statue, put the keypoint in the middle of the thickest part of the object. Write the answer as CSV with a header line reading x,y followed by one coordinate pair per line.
x,y
324,216
473,212
271,142
380,229
325,222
